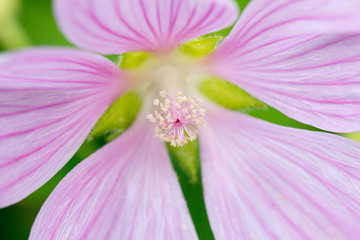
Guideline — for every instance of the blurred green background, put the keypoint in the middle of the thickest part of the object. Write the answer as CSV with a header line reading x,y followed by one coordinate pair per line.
x,y
26,23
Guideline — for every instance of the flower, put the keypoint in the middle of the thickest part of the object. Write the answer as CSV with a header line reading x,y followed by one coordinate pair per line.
x,y
261,181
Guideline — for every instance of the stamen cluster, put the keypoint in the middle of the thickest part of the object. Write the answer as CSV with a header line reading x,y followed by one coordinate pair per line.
x,y
178,120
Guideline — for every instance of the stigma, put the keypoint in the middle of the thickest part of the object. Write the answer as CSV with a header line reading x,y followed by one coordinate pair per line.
x,y
177,120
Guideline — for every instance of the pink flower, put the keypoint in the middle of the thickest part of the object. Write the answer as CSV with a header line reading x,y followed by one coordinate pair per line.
x,y
262,181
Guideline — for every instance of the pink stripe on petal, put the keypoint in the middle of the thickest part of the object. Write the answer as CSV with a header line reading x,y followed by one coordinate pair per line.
x,y
50,99
127,190
117,26
263,181
297,17
301,57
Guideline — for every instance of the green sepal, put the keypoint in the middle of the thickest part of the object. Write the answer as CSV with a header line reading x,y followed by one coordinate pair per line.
x,y
118,117
353,136
200,47
187,157
228,95
133,60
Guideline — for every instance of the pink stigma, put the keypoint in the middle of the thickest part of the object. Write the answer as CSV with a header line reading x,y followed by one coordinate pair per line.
x,y
177,121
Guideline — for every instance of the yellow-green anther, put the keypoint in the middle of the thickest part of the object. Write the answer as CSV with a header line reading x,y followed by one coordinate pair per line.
x,y
200,47
118,117
228,95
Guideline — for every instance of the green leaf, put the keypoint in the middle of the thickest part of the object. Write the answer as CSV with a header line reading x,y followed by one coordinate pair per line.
x,y
200,47
188,158
228,95
133,60
118,117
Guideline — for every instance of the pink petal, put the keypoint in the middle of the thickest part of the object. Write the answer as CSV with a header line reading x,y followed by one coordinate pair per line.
x,y
264,181
273,54
49,101
298,17
127,190
117,26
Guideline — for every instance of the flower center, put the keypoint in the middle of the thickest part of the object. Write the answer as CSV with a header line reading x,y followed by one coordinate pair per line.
x,y
177,120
